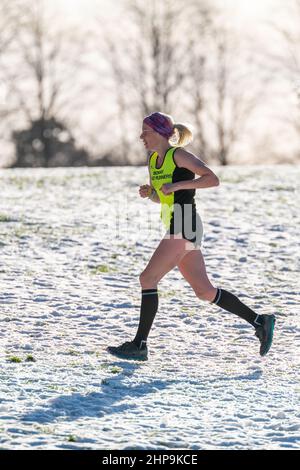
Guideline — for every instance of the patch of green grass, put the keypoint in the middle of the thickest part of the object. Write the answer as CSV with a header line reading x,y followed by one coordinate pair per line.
x,y
102,268
21,182
116,370
104,366
30,358
111,369
53,387
40,183
14,359
5,218
282,188
169,293
73,352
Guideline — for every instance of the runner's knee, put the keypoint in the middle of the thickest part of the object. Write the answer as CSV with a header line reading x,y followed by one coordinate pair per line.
x,y
148,280
207,294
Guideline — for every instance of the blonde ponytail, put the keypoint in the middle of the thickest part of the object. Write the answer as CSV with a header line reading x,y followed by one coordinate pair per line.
x,y
183,135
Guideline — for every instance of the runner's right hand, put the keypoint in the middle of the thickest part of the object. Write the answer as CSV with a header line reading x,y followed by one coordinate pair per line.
x,y
145,190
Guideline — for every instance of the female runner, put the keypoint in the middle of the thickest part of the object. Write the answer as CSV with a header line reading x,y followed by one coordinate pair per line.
x,y
172,172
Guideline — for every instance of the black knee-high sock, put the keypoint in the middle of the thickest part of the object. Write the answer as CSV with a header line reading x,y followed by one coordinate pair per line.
x,y
149,308
231,303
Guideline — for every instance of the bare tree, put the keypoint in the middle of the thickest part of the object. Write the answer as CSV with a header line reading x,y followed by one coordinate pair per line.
x,y
232,108
43,74
146,60
8,23
177,55
223,95
196,79
8,30
288,61
157,53
110,50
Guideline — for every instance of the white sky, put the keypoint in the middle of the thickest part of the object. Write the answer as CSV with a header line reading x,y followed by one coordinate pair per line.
x,y
250,9
243,9
242,12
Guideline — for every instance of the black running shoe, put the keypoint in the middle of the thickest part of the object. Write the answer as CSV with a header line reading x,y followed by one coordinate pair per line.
x,y
130,351
264,332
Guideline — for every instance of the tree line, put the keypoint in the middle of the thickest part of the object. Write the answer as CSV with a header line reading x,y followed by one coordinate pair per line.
x,y
176,56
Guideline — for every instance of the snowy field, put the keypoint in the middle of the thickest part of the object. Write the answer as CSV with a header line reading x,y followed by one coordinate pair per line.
x,y
72,245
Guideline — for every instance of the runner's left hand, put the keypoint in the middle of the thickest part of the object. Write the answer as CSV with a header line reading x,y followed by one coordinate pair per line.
x,y
167,188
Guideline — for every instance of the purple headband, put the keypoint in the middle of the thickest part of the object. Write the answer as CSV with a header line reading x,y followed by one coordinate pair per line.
x,y
159,123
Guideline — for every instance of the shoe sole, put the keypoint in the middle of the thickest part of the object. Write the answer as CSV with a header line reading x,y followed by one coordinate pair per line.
x,y
269,344
127,358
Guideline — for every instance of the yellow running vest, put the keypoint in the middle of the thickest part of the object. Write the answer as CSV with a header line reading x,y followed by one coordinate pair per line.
x,y
160,176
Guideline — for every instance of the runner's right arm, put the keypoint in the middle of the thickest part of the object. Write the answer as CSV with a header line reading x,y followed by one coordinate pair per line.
x,y
148,191
153,196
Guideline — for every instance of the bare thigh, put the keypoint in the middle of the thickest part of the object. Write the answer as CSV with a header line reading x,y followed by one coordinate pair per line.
x,y
192,267
166,257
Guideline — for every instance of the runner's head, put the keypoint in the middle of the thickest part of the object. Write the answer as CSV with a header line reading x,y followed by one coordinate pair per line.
x,y
158,126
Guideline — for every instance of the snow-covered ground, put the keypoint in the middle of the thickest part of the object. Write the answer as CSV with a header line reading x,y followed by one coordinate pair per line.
x,y
72,245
